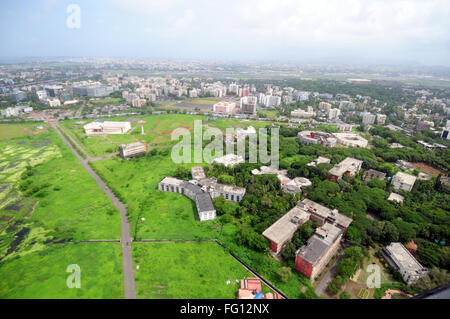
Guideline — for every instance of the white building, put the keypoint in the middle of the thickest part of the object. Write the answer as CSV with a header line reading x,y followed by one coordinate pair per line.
x,y
381,119
349,166
401,259
334,114
368,118
351,140
101,128
229,160
132,150
403,181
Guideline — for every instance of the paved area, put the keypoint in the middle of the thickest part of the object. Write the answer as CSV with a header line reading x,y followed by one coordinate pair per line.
x,y
328,277
128,272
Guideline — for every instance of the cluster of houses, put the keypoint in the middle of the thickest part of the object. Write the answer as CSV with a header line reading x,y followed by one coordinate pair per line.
x,y
291,186
331,140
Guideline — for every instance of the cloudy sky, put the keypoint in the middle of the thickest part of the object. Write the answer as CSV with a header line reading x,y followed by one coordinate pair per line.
x,y
373,31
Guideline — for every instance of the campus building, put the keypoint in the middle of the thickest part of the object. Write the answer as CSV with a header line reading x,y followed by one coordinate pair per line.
x,y
229,160
202,190
349,166
132,150
401,259
205,207
224,107
310,137
403,181
284,229
373,174
351,140
105,127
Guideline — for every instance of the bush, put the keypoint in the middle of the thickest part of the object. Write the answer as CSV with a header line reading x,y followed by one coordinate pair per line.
x,y
344,295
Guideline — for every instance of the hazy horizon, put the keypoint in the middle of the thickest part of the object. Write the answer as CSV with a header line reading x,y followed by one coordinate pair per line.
x,y
361,32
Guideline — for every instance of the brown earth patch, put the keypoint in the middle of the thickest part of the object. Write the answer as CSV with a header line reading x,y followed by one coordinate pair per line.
x,y
428,169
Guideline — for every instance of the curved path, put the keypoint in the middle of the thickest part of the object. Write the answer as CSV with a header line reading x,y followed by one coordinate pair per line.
x,y
128,273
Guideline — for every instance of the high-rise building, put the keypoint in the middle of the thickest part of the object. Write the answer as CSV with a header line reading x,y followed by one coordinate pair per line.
x,y
248,105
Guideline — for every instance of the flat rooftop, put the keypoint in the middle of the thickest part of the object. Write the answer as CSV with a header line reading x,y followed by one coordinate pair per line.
x,y
405,178
283,229
402,256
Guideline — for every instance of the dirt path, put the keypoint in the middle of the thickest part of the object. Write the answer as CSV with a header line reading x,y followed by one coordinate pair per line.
x,y
128,273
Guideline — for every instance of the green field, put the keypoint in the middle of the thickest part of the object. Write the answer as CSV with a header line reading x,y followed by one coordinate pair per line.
x,y
191,270
157,131
42,274
8,131
56,198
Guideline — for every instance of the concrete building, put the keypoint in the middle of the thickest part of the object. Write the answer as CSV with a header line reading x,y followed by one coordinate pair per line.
x,y
197,173
351,140
309,113
324,106
248,105
203,201
401,259
368,118
224,107
313,257
311,137
229,160
132,150
284,229
394,197
349,166
373,174
381,119
403,181
320,160
334,114
102,128
93,90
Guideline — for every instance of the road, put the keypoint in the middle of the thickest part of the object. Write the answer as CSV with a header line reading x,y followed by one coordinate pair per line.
x,y
328,277
128,272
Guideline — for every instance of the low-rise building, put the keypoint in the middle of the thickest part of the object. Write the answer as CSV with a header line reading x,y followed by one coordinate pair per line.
x,y
394,197
401,259
203,201
351,140
105,127
349,166
313,257
320,160
373,174
229,160
403,181
132,150
224,107
310,137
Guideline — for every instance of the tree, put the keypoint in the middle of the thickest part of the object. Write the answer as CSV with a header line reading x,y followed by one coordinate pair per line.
x,y
345,295
284,273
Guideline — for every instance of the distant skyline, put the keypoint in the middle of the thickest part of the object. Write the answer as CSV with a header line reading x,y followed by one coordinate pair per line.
x,y
319,31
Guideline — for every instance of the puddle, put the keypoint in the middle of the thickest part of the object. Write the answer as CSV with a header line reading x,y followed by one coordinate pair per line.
x,y
20,236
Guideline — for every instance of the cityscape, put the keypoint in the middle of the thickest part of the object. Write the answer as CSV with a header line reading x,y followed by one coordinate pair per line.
x,y
207,176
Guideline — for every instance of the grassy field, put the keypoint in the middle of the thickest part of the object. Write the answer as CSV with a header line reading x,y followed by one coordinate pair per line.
x,y
167,215
58,199
186,270
8,131
157,131
43,274
204,101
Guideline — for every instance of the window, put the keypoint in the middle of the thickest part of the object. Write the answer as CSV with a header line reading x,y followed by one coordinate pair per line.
x,y
226,196
232,197
177,190
237,198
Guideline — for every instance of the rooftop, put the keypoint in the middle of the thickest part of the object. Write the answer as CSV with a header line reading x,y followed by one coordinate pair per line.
x,y
283,229
405,178
349,164
404,258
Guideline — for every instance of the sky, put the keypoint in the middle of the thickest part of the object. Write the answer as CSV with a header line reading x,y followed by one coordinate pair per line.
x,y
305,31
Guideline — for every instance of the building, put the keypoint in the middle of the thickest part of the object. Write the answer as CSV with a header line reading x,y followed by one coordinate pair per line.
x,y
403,181
197,173
324,106
407,166
229,160
313,257
132,150
205,207
311,137
368,118
334,114
296,185
349,166
424,125
320,160
401,259
53,90
381,119
101,128
251,288
93,90
284,229
394,197
309,113
373,174
19,96
248,105
351,140
224,107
